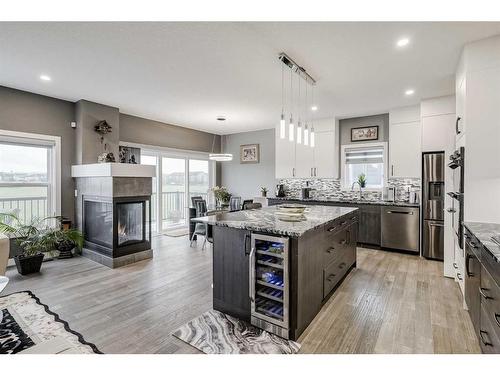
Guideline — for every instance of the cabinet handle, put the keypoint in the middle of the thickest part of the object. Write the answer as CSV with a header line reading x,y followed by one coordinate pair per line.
x,y
330,277
330,250
459,277
392,170
247,237
332,229
343,242
497,319
311,173
481,292
455,265
467,266
315,172
486,343
342,265
456,125
293,172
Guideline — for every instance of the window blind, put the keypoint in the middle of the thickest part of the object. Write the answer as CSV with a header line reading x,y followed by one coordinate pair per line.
x,y
364,155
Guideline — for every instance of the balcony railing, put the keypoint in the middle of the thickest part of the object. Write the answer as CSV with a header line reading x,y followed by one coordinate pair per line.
x,y
174,205
26,208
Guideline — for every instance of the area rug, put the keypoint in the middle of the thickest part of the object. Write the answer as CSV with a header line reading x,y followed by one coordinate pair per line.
x,y
28,325
217,333
177,232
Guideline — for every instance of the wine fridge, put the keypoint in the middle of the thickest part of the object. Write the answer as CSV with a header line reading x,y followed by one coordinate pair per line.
x,y
270,284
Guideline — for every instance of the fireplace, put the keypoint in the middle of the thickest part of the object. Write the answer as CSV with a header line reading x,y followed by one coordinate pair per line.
x,y
116,227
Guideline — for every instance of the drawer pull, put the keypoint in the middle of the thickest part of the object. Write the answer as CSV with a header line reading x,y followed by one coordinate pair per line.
x,y
343,223
330,278
455,265
343,242
497,319
459,277
332,229
330,250
342,265
486,343
481,292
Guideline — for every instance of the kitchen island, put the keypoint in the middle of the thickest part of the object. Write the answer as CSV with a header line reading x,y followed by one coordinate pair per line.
x,y
277,273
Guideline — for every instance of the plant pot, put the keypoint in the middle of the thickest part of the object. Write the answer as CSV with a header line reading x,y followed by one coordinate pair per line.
x,y
64,248
264,195
28,264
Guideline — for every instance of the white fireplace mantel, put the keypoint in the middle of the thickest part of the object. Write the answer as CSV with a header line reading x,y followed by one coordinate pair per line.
x,y
113,170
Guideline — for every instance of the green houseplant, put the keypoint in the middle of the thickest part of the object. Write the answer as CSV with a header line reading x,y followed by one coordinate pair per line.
x,y
35,239
362,180
222,195
263,190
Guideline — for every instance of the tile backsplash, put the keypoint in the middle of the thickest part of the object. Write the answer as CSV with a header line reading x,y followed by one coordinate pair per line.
x,y
331,189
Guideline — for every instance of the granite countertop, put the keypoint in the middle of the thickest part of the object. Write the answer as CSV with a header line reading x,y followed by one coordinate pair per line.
x,y
350,201
484,232
265,219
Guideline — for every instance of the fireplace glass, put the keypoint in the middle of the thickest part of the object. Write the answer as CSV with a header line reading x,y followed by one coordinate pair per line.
x,y
98,226
130,222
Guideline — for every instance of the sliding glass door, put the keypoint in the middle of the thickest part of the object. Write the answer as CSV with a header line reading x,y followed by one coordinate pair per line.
x,y
173,192
180,176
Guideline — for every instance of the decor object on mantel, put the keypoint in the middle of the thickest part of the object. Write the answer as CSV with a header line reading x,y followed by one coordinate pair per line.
x,y
214,332
249,154
130,155
220,156
27,326
304,107
38,237
263,190
222,195
366,133
104,128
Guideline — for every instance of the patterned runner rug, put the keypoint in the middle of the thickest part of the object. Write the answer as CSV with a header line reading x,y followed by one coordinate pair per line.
x,y
216,333
28,325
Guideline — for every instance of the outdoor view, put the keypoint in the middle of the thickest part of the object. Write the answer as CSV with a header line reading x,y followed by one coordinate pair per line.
x,y
175,197
24,180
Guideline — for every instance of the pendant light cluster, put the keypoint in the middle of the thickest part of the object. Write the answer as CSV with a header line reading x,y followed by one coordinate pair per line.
x,y
304,132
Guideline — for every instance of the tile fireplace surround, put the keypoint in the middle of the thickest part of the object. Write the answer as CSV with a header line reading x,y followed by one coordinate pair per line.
x,y
113,211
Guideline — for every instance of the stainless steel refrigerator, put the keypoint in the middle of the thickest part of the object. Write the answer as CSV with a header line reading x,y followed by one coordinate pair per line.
x,y
433,204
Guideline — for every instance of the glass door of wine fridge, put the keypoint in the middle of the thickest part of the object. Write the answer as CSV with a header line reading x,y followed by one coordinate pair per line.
x,y
269,284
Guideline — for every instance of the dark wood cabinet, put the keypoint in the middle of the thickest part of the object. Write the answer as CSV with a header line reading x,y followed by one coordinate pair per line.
x,y
369,225
231,271
472,283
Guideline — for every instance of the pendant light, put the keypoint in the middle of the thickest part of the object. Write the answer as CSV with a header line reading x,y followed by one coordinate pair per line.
x,y
312,136
282,121
220,156
291,127
306,128
299,124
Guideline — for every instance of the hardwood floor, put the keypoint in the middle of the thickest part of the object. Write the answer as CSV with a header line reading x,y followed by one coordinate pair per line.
x,y
392,303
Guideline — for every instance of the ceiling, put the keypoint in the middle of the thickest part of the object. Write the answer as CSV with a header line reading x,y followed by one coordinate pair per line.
x,y
189,73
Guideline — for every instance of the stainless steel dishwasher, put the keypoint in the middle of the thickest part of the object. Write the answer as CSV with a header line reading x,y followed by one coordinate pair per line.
x,y
400,228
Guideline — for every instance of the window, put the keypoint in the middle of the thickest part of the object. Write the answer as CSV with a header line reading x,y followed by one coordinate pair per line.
x,y
29,175
368,160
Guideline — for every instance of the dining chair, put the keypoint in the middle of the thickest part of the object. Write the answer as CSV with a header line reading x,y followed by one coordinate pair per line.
x,y
201,229
253,206
235,204
195,198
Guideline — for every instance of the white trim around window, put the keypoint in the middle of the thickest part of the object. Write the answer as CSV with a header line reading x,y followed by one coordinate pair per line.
x,y
361,146
54,161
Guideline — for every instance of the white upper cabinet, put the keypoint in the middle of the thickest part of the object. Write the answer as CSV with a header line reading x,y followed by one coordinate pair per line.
x,y
404,142
285,157
438,124
298,160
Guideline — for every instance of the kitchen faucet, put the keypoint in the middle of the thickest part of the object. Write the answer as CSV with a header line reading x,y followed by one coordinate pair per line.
x,y
352,188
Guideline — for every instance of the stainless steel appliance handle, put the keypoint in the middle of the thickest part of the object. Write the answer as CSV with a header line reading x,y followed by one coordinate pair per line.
x,y
251,289
436,225
401,212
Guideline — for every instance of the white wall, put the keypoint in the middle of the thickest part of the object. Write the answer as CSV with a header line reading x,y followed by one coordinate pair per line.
x,y
245,180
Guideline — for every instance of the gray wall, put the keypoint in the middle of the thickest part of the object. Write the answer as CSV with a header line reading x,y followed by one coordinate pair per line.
x,y
245,180
149,132
88,142
347,124
26,112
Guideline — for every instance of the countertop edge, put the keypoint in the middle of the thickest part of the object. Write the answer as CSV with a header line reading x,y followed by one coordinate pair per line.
x,y
496,256
362,202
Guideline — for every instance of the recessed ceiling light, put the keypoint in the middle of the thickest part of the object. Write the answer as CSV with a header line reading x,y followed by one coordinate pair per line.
x,y
45,77
314,108
403,42
409,92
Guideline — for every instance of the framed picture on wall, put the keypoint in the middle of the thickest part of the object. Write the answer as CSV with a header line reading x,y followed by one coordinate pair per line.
x,y
249,154
365,133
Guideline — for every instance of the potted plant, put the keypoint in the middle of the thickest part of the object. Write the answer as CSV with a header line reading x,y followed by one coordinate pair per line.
x,y
65,240
362,180
222,195
263,190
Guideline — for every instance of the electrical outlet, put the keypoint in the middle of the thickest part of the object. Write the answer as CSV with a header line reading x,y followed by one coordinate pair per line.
x,y
76,193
